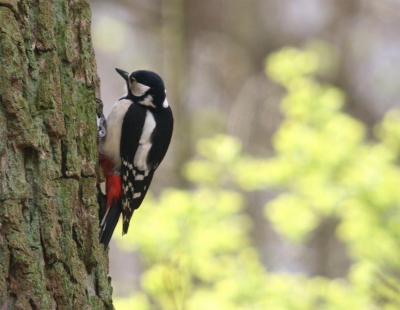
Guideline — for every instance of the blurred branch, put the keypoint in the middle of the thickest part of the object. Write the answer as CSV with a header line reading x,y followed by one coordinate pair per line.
x,y
175,74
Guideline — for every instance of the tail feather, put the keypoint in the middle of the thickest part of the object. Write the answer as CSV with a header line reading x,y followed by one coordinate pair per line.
x,y
109,222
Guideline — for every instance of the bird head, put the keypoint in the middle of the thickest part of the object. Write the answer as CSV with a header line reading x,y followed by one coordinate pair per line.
x,y
146,88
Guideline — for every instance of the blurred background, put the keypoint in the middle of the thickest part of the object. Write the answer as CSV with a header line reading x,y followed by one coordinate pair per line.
x,y
281,189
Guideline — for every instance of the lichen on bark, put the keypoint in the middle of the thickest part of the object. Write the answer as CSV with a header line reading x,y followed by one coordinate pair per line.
x,y
50,257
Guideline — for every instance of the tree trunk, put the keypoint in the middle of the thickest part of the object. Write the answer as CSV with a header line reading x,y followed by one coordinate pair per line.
x,y
50,257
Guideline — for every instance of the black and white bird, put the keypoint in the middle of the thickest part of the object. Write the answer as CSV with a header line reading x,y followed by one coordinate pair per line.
x,y
138,133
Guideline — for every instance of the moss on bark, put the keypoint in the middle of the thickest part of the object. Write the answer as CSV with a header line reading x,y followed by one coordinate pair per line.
x,y
50,257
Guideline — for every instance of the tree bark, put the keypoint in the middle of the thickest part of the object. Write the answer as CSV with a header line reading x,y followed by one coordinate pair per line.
x,y
50,257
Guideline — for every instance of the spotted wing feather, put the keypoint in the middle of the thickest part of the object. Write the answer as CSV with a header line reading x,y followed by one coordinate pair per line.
x,y
135,182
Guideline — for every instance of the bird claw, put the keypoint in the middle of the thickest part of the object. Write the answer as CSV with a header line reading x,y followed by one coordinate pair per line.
x,y
101,120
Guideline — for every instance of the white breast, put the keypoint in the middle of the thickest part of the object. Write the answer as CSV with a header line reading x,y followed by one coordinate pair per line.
x,y
110,147
140,160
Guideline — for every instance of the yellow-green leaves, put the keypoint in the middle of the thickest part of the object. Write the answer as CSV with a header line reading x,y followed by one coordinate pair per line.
x,y
195,243
292,216
219,154
186,237
389,131
290,63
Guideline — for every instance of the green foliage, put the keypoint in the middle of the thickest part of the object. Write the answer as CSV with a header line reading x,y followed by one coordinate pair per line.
x,y
195,245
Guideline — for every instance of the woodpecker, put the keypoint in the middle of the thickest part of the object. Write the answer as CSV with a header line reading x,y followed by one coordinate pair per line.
x,y
133,142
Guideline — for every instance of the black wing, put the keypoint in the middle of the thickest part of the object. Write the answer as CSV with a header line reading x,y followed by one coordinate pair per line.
x,y
135,182
162,134
136,177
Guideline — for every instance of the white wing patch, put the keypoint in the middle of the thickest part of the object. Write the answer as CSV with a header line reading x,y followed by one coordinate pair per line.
x,y
140,160
139,177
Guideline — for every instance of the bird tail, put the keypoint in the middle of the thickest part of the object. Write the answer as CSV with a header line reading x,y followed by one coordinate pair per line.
x,y
113,203
109,222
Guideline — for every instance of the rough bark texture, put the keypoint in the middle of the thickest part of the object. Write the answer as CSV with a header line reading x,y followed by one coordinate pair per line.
x,y
50,257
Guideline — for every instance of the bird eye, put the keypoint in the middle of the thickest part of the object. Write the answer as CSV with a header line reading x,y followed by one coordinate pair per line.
x,y
132,79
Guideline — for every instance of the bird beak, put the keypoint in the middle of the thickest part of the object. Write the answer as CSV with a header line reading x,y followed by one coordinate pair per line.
x,y
123,73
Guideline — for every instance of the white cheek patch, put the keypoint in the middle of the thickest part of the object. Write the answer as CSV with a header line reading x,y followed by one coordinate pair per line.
x,y
139,89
